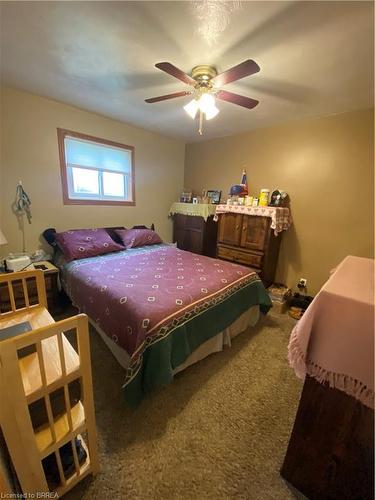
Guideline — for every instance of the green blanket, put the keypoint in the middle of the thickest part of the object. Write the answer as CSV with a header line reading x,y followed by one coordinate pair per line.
x,y
155,367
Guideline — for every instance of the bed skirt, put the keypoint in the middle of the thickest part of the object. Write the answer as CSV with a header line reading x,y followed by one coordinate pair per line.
x,y
215,344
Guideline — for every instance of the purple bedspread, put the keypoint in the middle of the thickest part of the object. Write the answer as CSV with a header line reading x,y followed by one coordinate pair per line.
x,y
131,294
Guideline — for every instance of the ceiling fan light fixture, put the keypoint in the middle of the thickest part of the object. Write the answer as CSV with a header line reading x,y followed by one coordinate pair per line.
x,y
206,83
191,108
211,112
207,106
206,103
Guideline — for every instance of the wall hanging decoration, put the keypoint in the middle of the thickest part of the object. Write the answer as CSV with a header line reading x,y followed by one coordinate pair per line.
x,y
21,207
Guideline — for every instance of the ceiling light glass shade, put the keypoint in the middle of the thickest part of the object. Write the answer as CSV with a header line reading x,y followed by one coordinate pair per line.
x,y
211,112
191,108
206,102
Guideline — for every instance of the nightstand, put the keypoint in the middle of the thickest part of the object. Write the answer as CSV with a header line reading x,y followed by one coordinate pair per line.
x,y
50,273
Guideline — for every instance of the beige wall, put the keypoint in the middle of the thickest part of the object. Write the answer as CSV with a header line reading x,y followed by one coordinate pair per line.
x,y
327,167
29,153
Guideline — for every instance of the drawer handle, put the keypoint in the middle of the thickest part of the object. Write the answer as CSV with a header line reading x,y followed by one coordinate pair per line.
x,y
244,228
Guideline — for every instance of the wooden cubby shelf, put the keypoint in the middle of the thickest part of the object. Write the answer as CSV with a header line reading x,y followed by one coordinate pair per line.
x,y
63,433
37,386
30,368
74,478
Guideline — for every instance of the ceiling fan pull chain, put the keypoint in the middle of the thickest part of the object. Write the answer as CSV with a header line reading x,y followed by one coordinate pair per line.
x,y
200,128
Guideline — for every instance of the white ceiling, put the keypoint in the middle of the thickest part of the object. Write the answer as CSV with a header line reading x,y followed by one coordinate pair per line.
x,y
316,58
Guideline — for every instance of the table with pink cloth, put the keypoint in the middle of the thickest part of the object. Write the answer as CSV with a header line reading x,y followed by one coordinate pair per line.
x,y
281,219
334,340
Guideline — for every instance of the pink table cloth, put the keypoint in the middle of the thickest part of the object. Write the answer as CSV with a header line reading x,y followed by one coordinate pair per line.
x,y
334,340
281,219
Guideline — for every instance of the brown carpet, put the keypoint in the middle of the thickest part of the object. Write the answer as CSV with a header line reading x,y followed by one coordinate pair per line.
x,y
220,431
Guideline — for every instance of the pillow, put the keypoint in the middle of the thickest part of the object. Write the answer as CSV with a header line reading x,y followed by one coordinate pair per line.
x,y
50,234
138,237
82,243
112,233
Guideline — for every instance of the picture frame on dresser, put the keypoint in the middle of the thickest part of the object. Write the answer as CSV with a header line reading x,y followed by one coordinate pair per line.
x,y
214,196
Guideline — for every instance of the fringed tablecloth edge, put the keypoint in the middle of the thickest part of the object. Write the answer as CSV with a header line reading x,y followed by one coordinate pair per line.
x,y
276,225
205,217
342,382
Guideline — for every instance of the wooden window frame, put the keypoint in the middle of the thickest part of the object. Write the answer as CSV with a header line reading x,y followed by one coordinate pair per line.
x,y
61,134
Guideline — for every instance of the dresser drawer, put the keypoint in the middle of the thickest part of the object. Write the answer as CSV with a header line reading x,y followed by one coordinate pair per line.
x,y
247,258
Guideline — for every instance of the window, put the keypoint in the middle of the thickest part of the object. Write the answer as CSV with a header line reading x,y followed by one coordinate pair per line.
x,y
95,171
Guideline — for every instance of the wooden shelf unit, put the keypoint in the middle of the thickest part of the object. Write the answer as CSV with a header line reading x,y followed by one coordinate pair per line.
x,y
84,470
53,365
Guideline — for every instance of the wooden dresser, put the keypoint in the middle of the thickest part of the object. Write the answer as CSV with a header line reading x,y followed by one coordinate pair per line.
x,y
193,233
249,240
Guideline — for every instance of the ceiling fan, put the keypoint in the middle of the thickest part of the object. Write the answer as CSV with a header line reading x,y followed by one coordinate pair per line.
x,y
207,85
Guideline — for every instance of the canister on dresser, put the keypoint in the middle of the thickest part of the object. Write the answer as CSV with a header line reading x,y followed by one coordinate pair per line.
x,y
264,197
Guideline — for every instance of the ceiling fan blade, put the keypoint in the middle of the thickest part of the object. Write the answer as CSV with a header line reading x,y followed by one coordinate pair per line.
x,y
177,73
240,100
168,96
243,69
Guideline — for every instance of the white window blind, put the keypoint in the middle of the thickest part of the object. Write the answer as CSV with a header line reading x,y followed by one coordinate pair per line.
x,y
87,154
97,171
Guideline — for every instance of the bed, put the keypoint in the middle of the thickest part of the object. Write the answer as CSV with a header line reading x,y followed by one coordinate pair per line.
x,y
160,309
